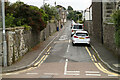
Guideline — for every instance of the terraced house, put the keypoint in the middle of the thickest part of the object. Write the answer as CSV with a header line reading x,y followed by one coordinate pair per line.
x,y
100,26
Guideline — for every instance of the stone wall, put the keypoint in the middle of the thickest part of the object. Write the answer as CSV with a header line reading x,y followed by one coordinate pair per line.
x,y
109,38
19,40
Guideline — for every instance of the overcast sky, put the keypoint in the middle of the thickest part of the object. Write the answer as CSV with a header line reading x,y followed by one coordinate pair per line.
x,y
76,4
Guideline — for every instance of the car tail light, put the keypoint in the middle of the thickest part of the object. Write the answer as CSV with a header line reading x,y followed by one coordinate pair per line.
x,y
75,37
72,30
87,37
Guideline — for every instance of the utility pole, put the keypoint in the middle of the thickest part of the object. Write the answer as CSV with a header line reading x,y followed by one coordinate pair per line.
x,y
4,35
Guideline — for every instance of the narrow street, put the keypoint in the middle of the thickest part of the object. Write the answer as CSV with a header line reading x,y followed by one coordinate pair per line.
x,y
62,60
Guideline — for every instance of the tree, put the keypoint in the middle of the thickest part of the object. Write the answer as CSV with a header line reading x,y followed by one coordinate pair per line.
x,y
20,14
70,8
74,15
50,11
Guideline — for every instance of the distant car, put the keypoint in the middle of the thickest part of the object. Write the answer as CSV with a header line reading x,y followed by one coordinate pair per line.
x,y
76,27
72,23
81,37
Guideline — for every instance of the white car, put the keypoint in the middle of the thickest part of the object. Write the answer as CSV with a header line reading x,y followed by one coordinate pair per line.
x,y
76,27
81,37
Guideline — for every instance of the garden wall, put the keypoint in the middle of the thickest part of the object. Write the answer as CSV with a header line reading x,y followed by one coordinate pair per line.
x,y
19,40
109,38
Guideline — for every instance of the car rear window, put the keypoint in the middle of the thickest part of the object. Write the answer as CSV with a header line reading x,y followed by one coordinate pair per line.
x,y
77,27
81,34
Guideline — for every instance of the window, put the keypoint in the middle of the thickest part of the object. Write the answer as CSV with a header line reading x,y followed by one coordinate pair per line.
x,y
77,27
81,34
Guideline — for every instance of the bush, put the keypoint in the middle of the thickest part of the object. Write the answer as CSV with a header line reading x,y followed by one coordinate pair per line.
x,y
20,14
116,21
27,27
9,20
117,37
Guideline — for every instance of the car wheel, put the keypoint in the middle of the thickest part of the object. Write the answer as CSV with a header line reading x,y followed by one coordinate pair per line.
x,y
88,45
71,35
73,44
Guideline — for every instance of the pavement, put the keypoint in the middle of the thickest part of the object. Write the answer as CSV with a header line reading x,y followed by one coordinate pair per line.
x,y
107,57
111,61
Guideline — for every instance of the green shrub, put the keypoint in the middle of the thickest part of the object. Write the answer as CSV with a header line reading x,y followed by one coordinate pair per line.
x,y
116,21
27,27
9,20
117,37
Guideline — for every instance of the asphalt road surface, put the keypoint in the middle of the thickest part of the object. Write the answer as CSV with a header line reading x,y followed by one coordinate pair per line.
x,y
62,60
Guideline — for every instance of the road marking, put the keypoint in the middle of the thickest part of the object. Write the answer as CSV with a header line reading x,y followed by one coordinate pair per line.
x,y
110,75
94,58
68,48
31,68
48,53
11,73
51,74
63,37
88,51
69,40
72,74
43,60
48,49
39,61
117,65
65,68
43,50
99,66
92,72
31,73
69,72
73,71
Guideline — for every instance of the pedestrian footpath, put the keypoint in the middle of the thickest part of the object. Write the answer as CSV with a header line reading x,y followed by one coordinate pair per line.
x,y
32,56
29,58
107,57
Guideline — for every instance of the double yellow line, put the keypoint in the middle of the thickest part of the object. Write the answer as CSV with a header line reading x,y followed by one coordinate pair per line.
x,y
98,65
44,57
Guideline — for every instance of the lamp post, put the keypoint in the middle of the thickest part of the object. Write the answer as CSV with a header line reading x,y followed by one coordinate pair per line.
x,y
4,35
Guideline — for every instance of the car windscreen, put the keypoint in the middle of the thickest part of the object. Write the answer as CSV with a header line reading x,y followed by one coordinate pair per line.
x,y
77,27
81,34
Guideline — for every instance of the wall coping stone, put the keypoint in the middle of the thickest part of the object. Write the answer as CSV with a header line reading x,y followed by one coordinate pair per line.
x,y
15,28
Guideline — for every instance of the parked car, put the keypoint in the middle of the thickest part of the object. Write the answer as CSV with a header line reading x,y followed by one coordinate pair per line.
x,y
72,23
76,27
81,37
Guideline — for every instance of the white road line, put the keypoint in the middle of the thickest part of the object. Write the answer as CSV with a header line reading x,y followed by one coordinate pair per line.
x,y
117,65
68,48
92,72
11,73
51,74
72,74
110,75
31,73
65,68
73,71
69,40
69,72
